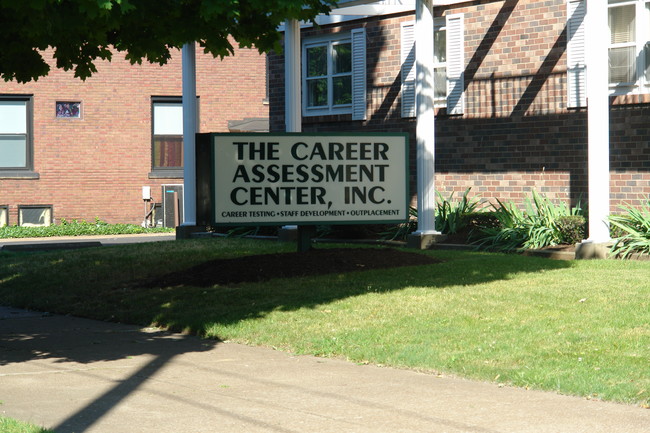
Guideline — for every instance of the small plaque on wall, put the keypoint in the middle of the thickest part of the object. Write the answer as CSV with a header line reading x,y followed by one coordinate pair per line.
x,y
69,110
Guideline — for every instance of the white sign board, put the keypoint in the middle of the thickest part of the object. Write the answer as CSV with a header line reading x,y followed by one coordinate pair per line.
x,y
310,179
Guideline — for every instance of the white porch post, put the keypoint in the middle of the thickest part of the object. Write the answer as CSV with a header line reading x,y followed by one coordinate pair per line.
x,y
292,78
292,97
598,120
189,131
425,118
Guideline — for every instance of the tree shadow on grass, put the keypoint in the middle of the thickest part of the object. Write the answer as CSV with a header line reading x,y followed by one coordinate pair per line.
x,y
227,291
173,302
200,297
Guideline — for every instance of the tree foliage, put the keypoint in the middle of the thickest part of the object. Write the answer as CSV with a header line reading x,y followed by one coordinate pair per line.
x,y
81,31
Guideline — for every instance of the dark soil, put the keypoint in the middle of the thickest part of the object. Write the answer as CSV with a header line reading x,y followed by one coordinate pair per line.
x,y
286,265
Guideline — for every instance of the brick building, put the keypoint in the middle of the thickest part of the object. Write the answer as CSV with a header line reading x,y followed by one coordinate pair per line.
x,y
509,91
85,149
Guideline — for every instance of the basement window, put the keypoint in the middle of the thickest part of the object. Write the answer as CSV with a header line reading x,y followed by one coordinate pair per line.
x,y
35,215
4,215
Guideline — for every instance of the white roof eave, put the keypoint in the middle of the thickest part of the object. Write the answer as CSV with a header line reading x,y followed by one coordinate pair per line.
x,y
359,9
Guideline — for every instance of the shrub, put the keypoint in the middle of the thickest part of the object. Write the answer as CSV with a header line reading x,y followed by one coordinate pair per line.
x,y
477,222
634,229
571,228
77,228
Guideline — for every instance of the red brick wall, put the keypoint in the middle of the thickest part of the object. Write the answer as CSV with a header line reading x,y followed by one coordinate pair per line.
x,y
516,133
96,166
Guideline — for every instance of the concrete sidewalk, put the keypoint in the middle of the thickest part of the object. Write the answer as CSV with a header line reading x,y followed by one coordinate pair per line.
x,y
63,242
77,375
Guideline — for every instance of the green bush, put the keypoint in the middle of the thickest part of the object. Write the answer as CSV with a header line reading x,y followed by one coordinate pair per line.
x,y
482,220
571,228
633,228
77,228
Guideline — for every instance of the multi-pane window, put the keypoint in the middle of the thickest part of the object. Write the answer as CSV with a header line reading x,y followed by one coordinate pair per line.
x,y
334,77
629,54
328,75
167,147
448,65
15,137
440,61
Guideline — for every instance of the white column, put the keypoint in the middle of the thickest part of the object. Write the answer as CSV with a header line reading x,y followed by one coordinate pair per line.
x,y
425,117
292,77
189,131
597,40
292,80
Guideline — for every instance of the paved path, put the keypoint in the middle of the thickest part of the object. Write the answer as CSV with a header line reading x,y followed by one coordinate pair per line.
x,y
79,241
77,375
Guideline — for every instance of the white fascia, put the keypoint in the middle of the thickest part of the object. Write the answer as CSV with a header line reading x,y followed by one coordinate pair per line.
x,y
350,10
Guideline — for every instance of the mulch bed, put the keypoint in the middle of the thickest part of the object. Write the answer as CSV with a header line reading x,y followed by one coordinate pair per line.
x,y
287,265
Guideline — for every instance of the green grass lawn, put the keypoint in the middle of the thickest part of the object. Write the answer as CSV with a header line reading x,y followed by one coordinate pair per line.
x,y
9,425
578,327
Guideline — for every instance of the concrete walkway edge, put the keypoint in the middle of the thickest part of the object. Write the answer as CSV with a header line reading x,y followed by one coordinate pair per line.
x,y
78,375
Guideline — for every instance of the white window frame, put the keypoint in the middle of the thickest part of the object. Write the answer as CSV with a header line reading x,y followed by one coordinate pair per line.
x,y
642,38
440,24
454,52
358,105
329,42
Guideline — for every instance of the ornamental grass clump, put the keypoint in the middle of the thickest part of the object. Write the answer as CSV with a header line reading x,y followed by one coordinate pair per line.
x,y
453,216
634,226
543,223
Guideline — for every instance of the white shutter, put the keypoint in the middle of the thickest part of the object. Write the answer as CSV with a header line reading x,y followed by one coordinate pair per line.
x,y
359,74
408,68
576,65
455,64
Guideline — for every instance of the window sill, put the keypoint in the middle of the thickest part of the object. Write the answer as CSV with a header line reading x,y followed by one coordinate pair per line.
x,y
630,99
166,174
327,118
16,174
